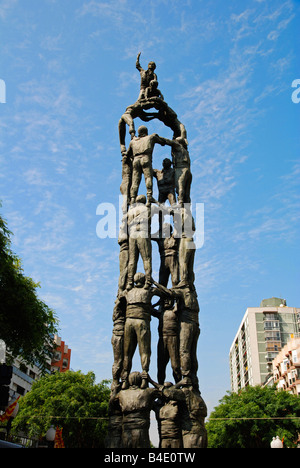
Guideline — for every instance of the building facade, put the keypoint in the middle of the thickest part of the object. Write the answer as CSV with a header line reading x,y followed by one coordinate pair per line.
x,y
286,367
61,356
263,332
25,375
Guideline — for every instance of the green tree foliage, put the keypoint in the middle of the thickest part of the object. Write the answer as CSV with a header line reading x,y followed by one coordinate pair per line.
x,y
226,430
27,324
70,400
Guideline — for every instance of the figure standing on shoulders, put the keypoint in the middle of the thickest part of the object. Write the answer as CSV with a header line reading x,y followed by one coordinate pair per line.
x,y
146,76
140,150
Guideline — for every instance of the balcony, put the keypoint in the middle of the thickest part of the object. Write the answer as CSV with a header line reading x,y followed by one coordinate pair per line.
x,y
271,325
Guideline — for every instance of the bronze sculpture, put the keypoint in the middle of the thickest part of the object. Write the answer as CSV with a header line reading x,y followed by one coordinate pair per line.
x,y
137,326
147,76
168,342
179,407
136,403
140,150
166,182
168,246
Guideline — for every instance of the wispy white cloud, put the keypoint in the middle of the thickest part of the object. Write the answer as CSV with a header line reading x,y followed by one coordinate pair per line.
x,y
6,6
278,217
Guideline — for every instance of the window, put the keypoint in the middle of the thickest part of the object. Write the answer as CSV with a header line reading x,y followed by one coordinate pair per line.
x,y
294,356
23,368
57,356
272,336
20,390
270,316
271,325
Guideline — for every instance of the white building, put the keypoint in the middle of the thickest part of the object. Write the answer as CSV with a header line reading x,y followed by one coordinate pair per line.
x,y
24,375
262,334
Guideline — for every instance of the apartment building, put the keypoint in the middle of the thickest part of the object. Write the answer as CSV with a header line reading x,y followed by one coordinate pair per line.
x,y
286,367
262,334
25,375
61,356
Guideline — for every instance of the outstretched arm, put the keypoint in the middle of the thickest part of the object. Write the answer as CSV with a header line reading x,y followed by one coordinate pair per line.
x,y
162,289
170,142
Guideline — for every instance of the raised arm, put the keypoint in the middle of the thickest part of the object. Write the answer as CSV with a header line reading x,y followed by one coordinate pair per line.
x,y
138,65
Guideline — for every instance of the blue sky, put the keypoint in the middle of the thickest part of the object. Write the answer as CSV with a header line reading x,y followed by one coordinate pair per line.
x,y
226,68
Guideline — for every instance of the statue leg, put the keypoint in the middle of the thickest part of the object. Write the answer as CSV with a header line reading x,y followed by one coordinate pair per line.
x,y
172,197
173,347
187,186
164,272
180,185
184,349
173,266
186,260
148,174
123,262
194,360
162,360
144,342
125,185
130,344
183,180
136,179
132,261
118,349
145,248
189,334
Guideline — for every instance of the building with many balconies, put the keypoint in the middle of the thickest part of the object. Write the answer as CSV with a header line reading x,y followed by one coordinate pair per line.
x,y
61,356
286,367
262,334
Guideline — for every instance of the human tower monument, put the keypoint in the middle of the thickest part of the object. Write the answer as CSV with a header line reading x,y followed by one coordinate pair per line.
x,y
179,408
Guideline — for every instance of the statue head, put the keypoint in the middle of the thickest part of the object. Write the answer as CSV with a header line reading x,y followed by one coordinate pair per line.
x,y
139,280
169,303
141,199
167,163
142,131
135,379
151,66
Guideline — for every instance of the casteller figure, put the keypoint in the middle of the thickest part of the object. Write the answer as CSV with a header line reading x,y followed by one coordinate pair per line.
x,y
137,327
146,76
140,150
136,404
165,182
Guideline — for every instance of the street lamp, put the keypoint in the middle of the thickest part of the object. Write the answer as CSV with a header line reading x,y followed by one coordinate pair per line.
x,y
276,443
